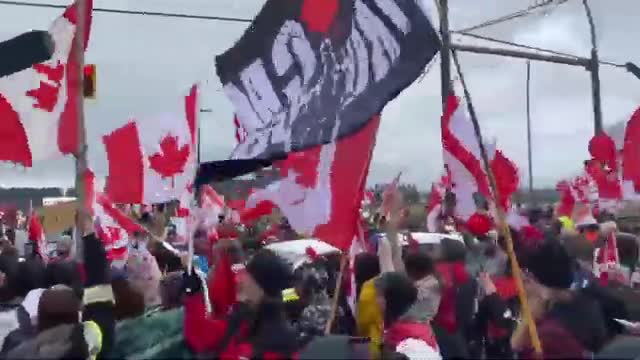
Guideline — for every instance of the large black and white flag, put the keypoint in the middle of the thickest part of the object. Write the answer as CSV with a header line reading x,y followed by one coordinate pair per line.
x,y
308,72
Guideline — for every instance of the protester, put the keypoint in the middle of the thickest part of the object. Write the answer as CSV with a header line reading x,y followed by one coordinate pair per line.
x,y
403,333
454,319
61,332
569,325
421,271
257,325
311,281
144,276
15,322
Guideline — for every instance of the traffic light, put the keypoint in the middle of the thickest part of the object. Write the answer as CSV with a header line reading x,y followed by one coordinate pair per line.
x,y
89,84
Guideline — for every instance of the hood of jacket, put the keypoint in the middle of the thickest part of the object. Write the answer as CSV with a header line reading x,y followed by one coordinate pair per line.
x,y
60,342
426,305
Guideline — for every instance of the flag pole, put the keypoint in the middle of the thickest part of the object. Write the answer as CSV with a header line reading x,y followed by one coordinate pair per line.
x,y
81,156
502,222
336,294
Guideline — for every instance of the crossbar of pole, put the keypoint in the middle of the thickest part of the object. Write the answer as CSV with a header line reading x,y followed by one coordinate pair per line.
x,y
577,61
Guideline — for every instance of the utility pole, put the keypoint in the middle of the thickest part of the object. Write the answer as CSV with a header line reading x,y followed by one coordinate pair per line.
x,y
594,68
529,145
445,52
81,156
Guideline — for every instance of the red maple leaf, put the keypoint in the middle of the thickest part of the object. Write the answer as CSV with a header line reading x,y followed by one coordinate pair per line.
x,y
46,94
13,137
172,158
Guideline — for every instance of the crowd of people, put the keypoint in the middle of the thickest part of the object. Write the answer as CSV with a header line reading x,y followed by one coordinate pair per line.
x,y
457,299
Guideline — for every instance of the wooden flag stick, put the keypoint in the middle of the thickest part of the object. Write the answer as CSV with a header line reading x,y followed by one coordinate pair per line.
x,y
336,294
502,221
81,156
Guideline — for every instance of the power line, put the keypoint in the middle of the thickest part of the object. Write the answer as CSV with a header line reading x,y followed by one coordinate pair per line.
x,y
132,12
528,47
518,14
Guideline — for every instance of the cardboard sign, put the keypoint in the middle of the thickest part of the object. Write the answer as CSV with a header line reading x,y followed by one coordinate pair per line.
x,y
59,217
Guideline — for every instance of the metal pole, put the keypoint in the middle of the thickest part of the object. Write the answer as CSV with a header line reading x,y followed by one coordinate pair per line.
x,y
529,147
81,156
198,146
594,68
445,52
575,61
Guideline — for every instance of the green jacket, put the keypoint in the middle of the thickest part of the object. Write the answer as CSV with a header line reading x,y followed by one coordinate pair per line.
x,y
154,335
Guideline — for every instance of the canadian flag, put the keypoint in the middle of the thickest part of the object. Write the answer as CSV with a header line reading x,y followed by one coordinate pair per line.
x,y
580,190
212,205
434,206
607,262
113,226
36,235
153,160
631,158
241,133
322,188
357,247
38,106
389,195
463,160
602,168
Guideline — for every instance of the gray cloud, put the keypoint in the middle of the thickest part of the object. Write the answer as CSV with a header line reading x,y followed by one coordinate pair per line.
x,y
144,62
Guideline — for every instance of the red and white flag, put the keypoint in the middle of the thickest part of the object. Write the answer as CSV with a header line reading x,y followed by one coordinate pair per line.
x,y
350,290
153,160
389,196
36,235
607,262
241,133
603,170
113,226
434,206
631,158
38,106
212,205
322,188
463,160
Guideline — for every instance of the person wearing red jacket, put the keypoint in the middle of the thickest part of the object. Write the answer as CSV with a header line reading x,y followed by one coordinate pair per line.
x,y
256,326
455,313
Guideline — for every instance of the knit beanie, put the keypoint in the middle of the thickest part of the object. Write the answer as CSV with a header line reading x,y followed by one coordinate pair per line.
x,y
399,294
58,305
144,275
270,272
551,265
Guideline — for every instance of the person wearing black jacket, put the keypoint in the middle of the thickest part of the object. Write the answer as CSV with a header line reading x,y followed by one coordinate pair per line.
x,y
61,335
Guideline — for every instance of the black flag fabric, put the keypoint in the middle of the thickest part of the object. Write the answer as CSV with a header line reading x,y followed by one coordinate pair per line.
x,y
25,50
309,72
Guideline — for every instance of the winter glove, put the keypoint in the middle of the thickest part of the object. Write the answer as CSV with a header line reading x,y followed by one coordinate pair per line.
x,y
191,283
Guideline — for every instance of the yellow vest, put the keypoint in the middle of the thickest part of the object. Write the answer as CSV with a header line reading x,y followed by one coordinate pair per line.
x,y
93,337
369,318
289,295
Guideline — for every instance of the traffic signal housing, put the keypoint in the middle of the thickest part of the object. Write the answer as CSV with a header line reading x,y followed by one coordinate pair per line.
x,y
89,83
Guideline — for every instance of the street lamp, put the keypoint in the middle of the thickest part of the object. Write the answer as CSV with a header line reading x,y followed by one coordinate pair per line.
x,y
633,68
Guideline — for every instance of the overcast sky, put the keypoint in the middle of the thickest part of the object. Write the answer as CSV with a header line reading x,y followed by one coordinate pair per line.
x,y
145,61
